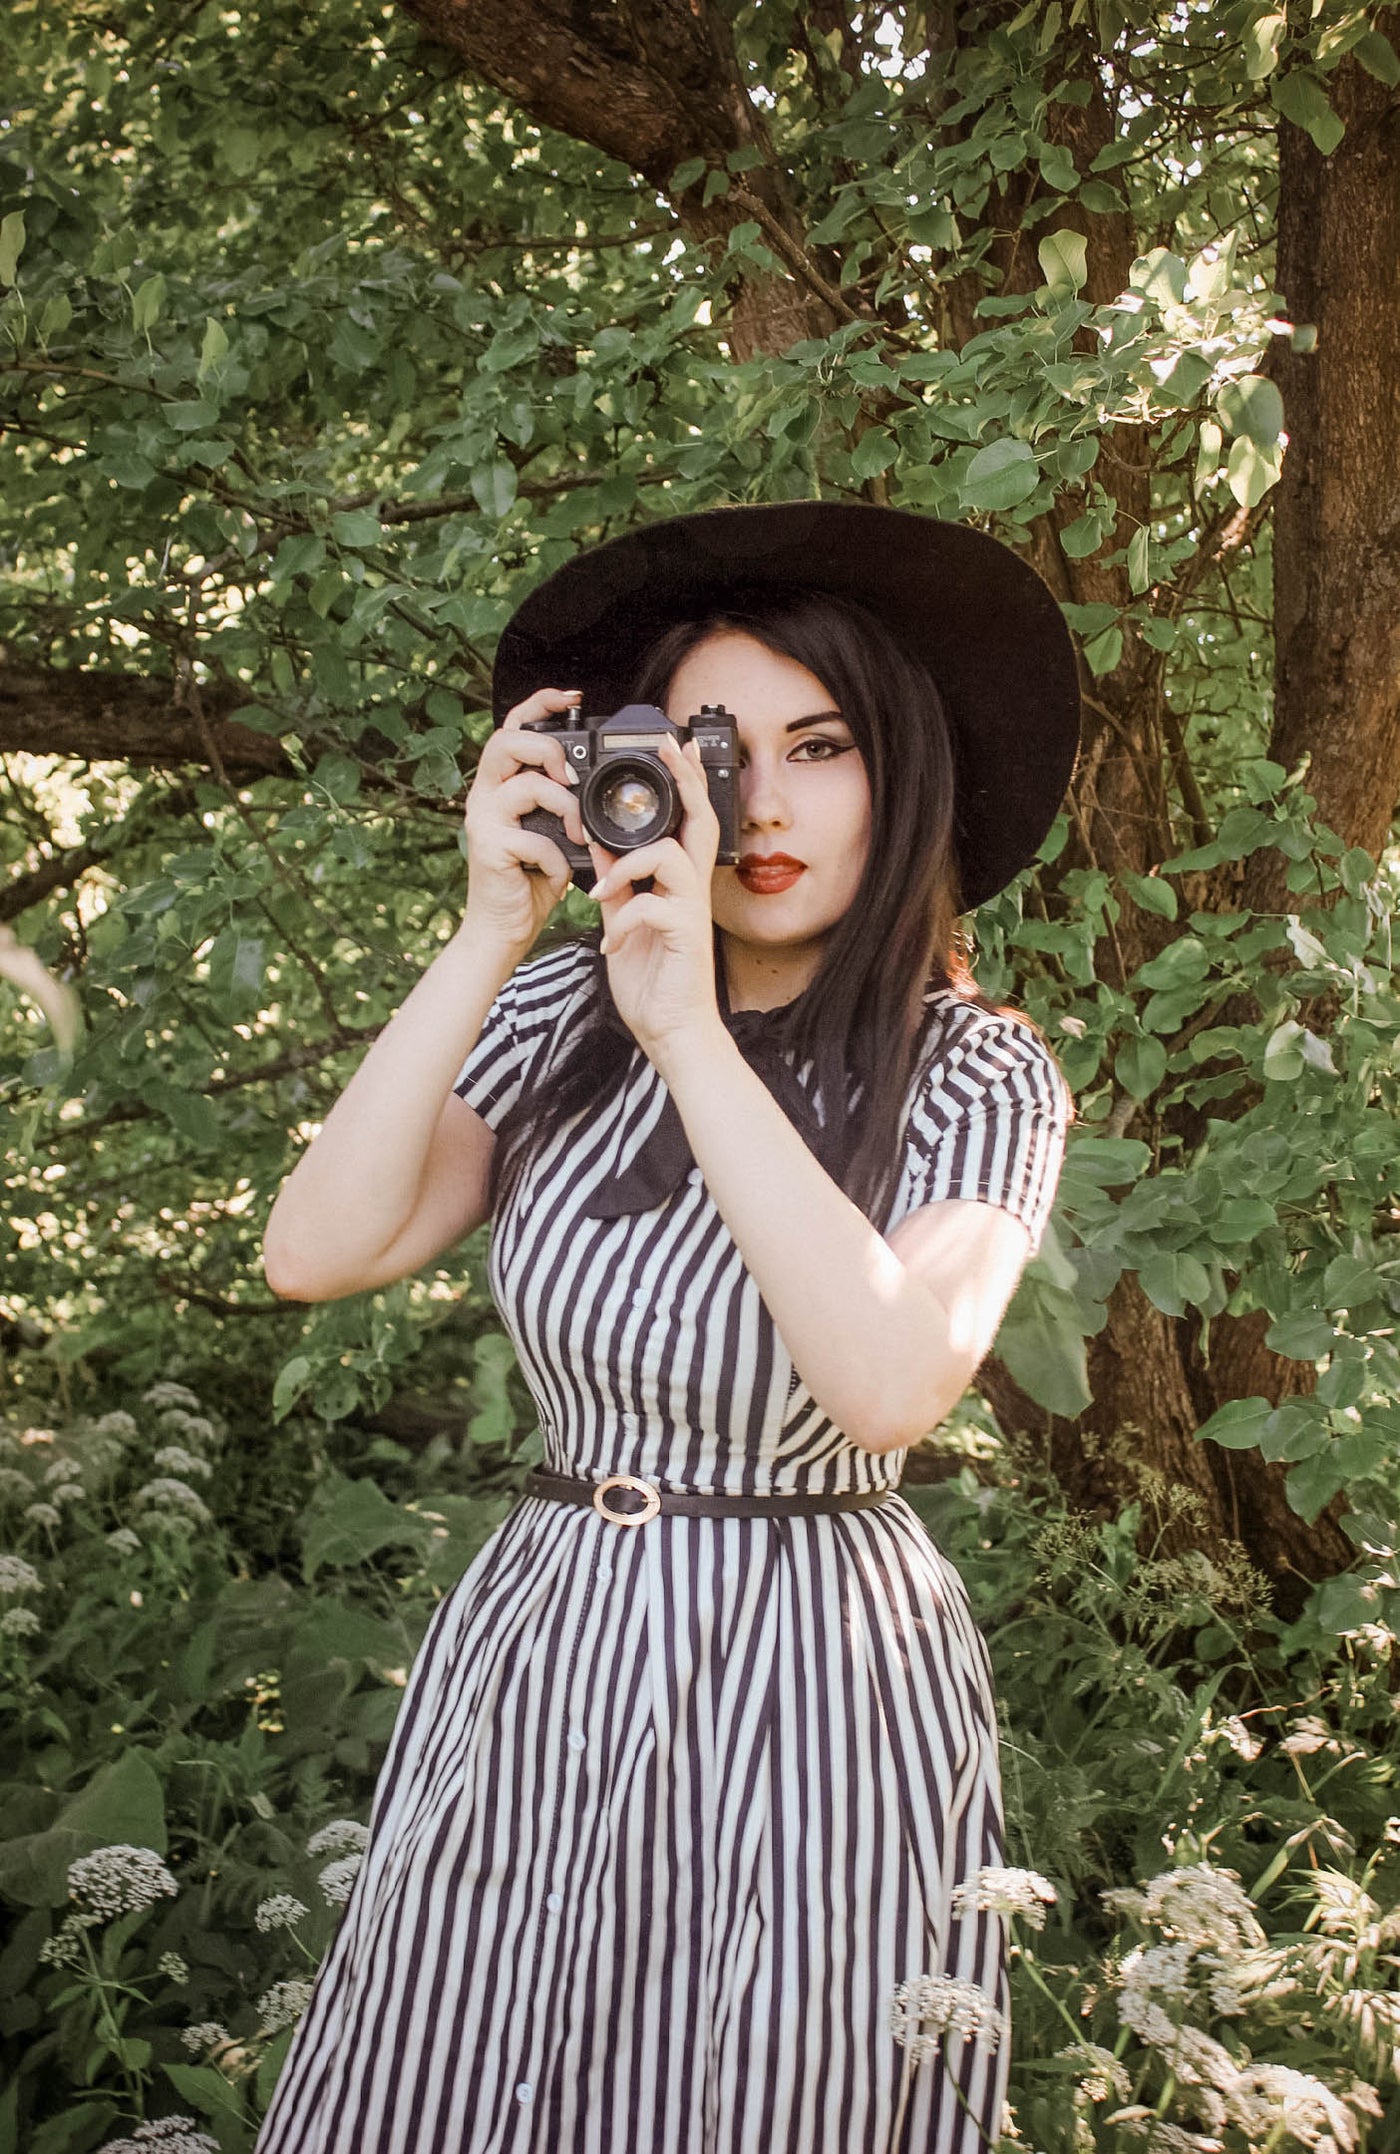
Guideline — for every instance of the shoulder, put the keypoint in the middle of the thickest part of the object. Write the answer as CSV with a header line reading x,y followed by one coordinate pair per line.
x,y
979,1060
550,987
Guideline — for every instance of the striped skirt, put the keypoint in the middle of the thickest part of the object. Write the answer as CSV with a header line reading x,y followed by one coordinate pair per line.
x,y
667,1817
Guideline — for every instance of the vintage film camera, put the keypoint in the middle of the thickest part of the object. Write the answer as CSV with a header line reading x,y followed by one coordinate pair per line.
x,y
626,795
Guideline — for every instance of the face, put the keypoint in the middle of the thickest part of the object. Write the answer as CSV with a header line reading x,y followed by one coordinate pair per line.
x,y
804,827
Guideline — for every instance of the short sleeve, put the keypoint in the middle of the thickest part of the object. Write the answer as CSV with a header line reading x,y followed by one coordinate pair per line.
x,y
988,1121
536,1003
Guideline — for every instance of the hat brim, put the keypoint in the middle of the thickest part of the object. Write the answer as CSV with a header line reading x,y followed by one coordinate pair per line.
x,y
976,616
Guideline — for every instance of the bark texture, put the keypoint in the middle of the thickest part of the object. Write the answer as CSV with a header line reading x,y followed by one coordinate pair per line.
x,y
126,718
1337,519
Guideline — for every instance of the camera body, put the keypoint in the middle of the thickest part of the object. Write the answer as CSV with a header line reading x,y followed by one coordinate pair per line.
x,y
627,797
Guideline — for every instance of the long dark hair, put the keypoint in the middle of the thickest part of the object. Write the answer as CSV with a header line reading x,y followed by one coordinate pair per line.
x,y
858,1022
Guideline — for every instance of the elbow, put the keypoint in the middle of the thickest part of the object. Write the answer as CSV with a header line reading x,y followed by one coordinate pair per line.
x,y
897,1425
288,1277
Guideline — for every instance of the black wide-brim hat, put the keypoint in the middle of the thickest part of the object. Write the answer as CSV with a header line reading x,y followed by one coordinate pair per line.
x,y
972,612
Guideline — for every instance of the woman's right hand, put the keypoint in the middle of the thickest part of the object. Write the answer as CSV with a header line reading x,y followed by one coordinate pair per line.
x,y
516,877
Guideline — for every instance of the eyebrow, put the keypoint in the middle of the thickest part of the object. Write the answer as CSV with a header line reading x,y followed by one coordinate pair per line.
x,y
796,725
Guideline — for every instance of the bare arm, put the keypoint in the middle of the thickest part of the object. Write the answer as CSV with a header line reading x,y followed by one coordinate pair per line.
x,y
887,1334
400,1169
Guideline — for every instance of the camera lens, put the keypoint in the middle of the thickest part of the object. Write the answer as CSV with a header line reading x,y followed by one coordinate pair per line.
x,y
626,801
630,803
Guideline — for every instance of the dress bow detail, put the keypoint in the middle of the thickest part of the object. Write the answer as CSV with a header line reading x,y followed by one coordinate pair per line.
x,y
664,1159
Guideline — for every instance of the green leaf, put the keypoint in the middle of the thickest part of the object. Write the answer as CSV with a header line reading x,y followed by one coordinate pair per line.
x,y
1173,1279
1302,1334
1064,261
1000,475
685,175
1102,652
1283,1060
292,1379
348,1521
1152,895
214,347
1252,406
1260,45
205,2090
1251,471
1083,537
1159,275
356,527
1139,564
147,302
1041,1342
873,453
495,486
122,1805
1238,1424
1140,1065
1377,56
12,237
1300,97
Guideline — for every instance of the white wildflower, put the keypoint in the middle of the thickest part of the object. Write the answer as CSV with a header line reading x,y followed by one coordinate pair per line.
x,y
1204,1907
194,1428
343,1836
43,1514
206,2036
174,1458
123,1542
62,1469
1102,2077
165,1395
338,1878
118,1424
68,1492
1155,2136
18,1623
173,1967
1007,1892
283,2005
281,1912
924,2010
1269,2095
1240,1737
171,1498
1307,1735
64,1948
120,1880
1343,1909
15,1487
17,1576
171,2135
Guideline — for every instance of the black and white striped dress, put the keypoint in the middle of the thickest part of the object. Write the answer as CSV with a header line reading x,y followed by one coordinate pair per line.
x,y
669,1811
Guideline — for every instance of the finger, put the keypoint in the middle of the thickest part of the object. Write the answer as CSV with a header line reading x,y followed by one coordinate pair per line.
x,y
666,862
510,750
539,855
700,829
638,912
536,789
539,705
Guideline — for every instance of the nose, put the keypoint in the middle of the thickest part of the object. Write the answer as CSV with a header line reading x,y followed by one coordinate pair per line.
x,y
762,795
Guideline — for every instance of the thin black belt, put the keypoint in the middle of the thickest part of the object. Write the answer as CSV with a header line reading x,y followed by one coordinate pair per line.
x,y
643,1499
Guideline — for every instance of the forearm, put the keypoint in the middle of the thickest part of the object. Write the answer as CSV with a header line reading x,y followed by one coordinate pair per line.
x,y
868,1339
356,1185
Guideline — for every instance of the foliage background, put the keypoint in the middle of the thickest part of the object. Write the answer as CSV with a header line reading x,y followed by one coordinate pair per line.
x,y
319,341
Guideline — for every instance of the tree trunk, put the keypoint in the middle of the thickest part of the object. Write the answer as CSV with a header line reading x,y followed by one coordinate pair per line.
x,y
1337,519
655,84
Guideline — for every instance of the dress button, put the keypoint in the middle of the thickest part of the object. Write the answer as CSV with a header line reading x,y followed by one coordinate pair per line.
x,y
554,1902
524,2092
577,1739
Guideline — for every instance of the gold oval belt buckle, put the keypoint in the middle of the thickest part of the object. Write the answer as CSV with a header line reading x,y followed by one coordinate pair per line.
x,y
626,1518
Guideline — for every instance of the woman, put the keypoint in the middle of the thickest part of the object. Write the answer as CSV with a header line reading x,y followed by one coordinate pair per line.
x,y
697,1753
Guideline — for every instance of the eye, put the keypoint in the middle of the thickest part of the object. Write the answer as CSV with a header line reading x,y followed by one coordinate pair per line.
x,y
823,748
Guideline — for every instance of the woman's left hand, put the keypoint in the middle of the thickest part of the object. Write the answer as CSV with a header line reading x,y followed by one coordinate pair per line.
x,y
659,944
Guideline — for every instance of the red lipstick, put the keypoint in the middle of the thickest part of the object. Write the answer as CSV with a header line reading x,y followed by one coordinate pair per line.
x,y
765,874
